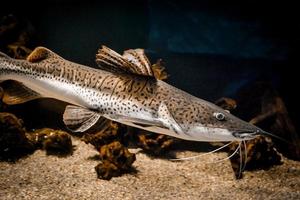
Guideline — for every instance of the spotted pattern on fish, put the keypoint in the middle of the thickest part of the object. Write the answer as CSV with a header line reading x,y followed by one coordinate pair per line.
x,y
134,96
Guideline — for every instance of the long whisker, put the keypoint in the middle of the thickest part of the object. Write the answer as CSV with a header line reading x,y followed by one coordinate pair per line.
x,y
204,154
245,149
275,136
241,161
221,160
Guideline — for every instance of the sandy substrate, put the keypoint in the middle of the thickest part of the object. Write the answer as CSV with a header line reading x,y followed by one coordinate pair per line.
x,y
49,177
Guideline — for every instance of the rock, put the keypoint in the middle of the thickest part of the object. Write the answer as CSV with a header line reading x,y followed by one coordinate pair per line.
x,y
154,144
106,170
53,141
1,96
259,153
116,160
1,93
159,70
108,132
226,103
17,36
13,141
260,104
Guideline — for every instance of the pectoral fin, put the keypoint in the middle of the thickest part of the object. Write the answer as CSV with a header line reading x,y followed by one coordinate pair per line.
x,y
80,119
17,93
169,121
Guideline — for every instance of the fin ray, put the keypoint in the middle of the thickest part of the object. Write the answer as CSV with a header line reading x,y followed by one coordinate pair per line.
x,y
138,58
17,93
110,60
169,121
79,119
133,61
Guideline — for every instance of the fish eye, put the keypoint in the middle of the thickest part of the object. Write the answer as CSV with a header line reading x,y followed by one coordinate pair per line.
x,y
219,116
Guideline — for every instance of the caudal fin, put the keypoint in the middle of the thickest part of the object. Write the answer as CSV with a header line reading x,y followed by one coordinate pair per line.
x,y
3,55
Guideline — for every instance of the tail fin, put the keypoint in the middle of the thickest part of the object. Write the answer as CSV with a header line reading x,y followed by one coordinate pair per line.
x,y
3,55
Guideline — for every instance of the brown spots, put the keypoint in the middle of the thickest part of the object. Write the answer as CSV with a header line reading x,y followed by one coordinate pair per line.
x,y
101,82
128,85
110,82
50,68
112,92
57,70
87,79
80,77
149,90
68,73
39,69
93,81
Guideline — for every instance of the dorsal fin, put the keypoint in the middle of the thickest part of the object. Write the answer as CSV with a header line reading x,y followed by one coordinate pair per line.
x,y
110,60
39,54
133,61
138,58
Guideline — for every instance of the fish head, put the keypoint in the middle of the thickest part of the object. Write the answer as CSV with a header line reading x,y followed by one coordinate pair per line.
x,y
209,122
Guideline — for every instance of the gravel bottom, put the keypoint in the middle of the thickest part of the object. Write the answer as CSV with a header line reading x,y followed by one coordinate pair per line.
x,y
39,176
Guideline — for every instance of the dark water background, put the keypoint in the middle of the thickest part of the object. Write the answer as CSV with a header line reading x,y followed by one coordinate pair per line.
x,y
210,48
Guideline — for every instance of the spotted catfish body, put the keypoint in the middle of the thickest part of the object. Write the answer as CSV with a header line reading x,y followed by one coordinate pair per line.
x,y
123,88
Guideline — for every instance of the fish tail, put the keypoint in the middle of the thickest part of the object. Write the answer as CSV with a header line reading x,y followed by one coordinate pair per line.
x,y
3,55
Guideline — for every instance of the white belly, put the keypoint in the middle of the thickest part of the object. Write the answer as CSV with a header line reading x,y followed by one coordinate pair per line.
x,y
51,88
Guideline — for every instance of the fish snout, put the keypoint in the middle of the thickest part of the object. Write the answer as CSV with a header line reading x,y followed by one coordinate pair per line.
x,y
247,134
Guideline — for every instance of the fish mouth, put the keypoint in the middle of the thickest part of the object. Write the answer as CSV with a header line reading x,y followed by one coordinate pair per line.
x,y
246,134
